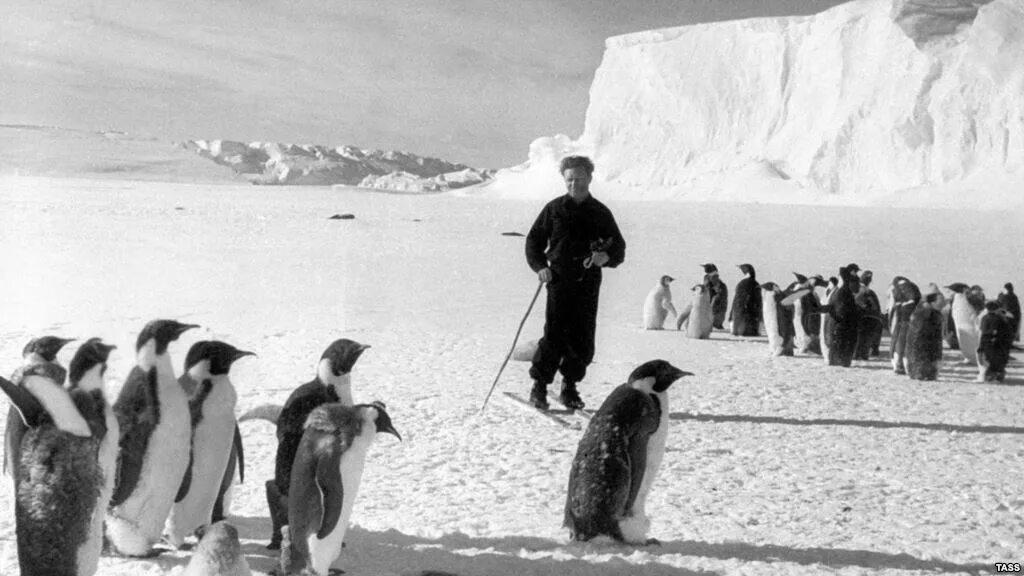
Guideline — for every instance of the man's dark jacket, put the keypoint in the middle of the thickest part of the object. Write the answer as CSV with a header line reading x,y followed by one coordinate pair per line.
x,y
565,234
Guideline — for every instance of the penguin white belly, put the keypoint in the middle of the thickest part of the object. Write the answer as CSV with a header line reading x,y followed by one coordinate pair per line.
x,y
212,447
654,311
137,523
771,322
323,553
967,332
634,528
699,323
89,552
802,338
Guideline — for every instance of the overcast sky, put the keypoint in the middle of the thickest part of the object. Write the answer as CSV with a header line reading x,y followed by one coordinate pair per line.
x,y
467,81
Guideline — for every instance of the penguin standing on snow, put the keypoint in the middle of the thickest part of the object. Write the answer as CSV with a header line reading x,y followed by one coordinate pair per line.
x,y
1008,301
843,318
869,333
778,319
152,411
325,480
658,304
86,376
968,304
61,481
697,316
219,553
42,350
619,456
996,339
806,316
924,338
719,295
746,304
333,383
904,297
212,408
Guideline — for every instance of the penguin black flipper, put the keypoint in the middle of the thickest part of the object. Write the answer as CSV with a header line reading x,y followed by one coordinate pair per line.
x,y
240,453
645,425
30,409
236,458
332,491
186,480
138,413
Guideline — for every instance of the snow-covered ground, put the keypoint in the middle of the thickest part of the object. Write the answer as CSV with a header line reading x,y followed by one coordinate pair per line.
x,y
774,466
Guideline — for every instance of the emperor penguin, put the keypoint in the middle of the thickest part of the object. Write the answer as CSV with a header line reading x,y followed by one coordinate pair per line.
x,y
618,458
236,458
778,319
697,316
869,333
658,304
1008,301
153,413
746,304
333,383
325,481
212,409
904,297
994,343
219,553
61,479
924,338
806,316
86,373
842,321
968,303
42,350
719,295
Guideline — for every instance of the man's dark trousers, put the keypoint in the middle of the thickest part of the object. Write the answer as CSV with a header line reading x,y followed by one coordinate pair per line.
x,y
570,323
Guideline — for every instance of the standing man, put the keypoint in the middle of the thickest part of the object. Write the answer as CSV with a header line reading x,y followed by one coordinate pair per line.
x,y
574,236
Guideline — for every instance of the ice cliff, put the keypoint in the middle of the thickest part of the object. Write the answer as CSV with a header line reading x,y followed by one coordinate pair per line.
x,y
868,98
274,163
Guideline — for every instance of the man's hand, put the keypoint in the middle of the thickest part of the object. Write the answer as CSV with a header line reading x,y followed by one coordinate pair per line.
x,y
545,275
599,259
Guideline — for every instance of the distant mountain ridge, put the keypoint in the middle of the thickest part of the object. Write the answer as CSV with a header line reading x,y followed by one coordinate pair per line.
x,y
272,163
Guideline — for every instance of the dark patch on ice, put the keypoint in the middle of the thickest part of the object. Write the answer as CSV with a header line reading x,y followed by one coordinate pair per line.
x,y
179,207
511,234
343,217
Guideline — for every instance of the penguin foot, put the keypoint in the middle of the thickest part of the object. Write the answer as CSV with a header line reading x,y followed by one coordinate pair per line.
x,y
652,542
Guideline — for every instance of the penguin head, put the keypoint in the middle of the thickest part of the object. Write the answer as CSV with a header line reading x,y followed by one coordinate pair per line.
x,y
710,268
383,420
866,277
698,289
832,282
46,347
852,268
658,374
1008,287
89,355
342,355
958,287
992,306
748,270
770,286
162,332
219,546
800,278
666,280
819,281
221,356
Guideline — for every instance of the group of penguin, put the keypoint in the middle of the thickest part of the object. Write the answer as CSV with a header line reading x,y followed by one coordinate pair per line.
x,y
91,477
849,322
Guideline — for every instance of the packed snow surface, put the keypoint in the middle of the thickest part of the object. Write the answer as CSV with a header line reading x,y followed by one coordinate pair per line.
x,y
860,101
773,466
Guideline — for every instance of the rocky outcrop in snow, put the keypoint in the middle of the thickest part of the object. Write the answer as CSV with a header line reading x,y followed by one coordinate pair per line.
x,y
273,163
862,100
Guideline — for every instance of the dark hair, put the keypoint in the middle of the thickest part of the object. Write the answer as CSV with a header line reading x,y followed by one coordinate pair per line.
x,y
576,162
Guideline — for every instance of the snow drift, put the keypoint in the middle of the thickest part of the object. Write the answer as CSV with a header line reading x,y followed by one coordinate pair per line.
x,y
863,100
294,164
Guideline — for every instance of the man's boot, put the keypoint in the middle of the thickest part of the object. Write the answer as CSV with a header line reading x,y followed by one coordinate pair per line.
x,y
570,397
539,396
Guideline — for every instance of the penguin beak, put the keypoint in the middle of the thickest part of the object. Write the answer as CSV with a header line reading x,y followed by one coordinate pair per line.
x,y
182,328
389,429
241,354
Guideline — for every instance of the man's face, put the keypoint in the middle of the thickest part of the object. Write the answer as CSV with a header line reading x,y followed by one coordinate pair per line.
x,y
577,183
